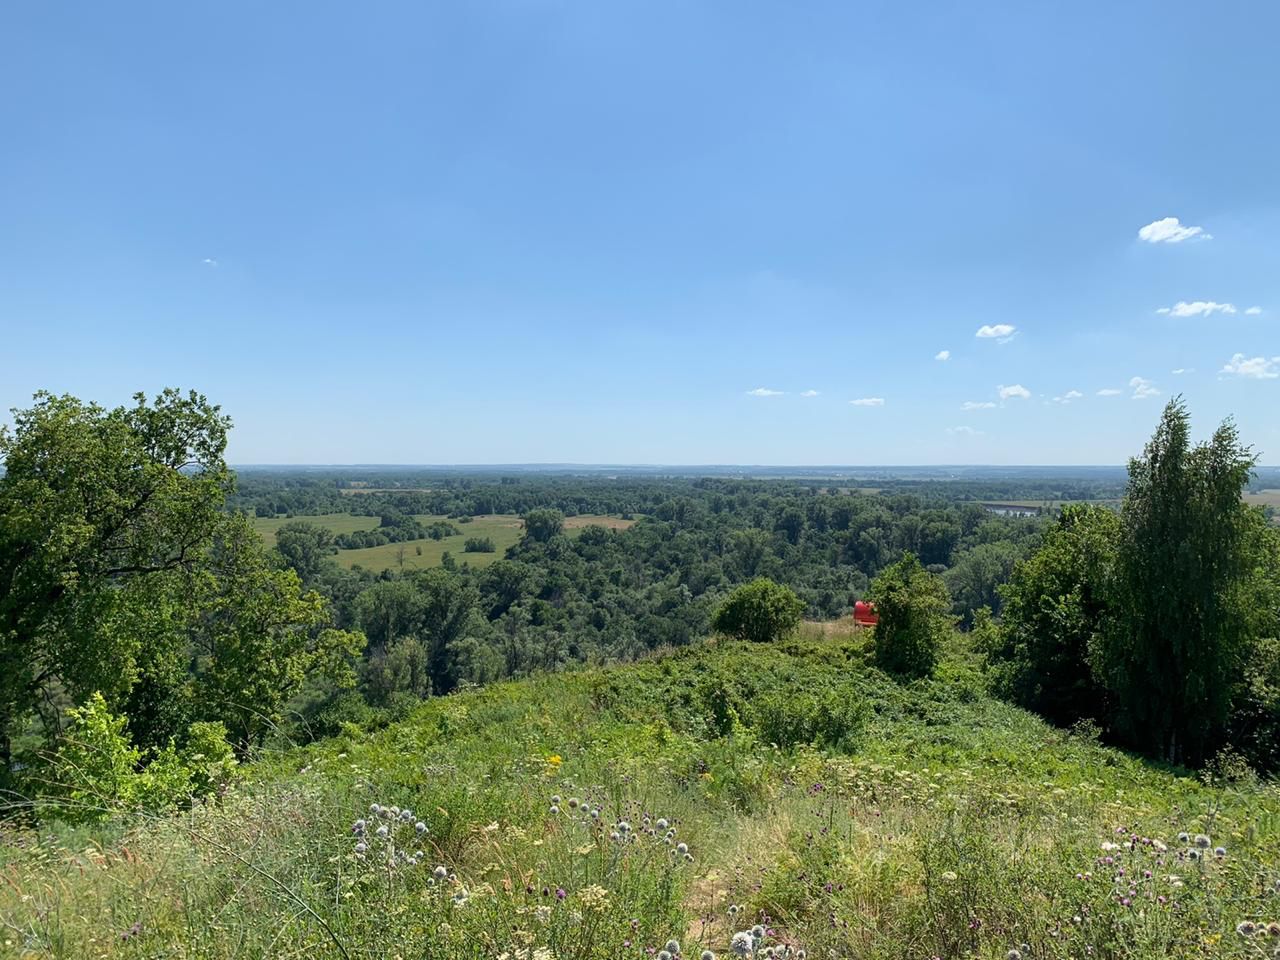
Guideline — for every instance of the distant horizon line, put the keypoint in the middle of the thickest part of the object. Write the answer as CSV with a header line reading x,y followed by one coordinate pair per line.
x,y
570,464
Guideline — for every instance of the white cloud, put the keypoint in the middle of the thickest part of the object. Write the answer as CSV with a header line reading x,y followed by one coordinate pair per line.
x,y
942,355
1253,311
1182,370
1000,332
209,262
809,393
868,402
1170,230
977,405
1068,396
1109,392
765,392
1256,368
965,431
1143,388
1197,308
1017,390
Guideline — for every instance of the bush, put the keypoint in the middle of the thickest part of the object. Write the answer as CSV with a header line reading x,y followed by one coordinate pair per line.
x,y
478,545
760,611
832,718
913,606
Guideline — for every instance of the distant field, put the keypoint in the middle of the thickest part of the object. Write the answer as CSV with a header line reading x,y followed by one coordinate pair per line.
x,y
1264,498
347,491
503,529
337,522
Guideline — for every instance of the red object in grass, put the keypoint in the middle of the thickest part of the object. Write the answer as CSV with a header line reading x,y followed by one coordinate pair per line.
x,y
864,614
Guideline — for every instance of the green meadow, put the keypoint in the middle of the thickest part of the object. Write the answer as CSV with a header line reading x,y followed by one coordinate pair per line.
x,y
791,789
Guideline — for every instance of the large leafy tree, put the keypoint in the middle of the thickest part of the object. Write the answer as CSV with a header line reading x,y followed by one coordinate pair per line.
x,y
1179,631
761,611
913,607
1053,608
96,506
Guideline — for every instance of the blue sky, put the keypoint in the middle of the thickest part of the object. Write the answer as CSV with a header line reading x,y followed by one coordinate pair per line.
x,y
546,232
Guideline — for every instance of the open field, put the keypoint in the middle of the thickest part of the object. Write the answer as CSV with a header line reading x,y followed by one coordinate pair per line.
x,y
337,522
503,529
846,813
1264,498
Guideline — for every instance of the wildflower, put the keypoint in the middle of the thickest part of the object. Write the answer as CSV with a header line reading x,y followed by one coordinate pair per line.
x,y
757,932
615,836
662,824
361,847
554,809
673,947
742,944
951,876
573,803
1014,954
391,811
595,814
440,873
1193,854
1219,852
1203,842
381,831
594,897
1272,930
420,828
1184,837
682,848
733,909
706,955
560,893
1159,846
555,798
688,858
1246,928
624,827
664,955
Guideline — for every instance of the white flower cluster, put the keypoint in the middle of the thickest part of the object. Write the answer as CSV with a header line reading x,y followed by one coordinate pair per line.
x,y
659,831
386,834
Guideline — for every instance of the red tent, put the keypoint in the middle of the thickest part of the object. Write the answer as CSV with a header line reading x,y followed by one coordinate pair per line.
x,y
864,614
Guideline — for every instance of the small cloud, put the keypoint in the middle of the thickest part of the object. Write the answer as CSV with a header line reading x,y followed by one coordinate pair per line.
x,y
1017,390
868,402
209,262
1182,370
1000,332
1253,311
1170,230
977,405
964,431
1068,396
1109,392
809,393
1255,368
1197,308
1143,388
942,355
765,392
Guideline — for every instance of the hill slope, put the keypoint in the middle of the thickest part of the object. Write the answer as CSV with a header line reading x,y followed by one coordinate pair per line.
x,y
847,815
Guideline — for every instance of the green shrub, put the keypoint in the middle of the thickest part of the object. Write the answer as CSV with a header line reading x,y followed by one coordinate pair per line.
x,y
760,611
913,606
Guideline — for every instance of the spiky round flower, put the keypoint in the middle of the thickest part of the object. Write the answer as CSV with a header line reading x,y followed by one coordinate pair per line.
x,y
375,809
573,803
706,955
1246,928
382,830
1184,837
664,955
361,847
440,873
357,828
555,809
682,848
1219,852
556,799
615,836
406,816
662,823
624,827
673,947
1203,842
1014,954
595,813
742,944
733,909
420,828
1193,854
757,932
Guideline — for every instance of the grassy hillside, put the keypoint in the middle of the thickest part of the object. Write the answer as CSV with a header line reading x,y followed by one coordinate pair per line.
x,y
805,792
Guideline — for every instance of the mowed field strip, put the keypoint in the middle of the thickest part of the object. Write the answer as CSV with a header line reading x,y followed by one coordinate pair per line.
x,y
503,529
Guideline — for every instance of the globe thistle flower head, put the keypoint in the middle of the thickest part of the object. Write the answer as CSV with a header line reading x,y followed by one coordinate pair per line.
x,y
742,944
556,799
1246,928
682,848
361,847
440,873
382,830
1014,954
420,828
573,803
664,955
673,947
1193,854
554,809
1203,842
733,909
1219,852
595,813
357,828
706,955
662,823
757,932
1184,837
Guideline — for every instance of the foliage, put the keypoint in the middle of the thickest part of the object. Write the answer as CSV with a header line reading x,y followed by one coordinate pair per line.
x,y
760,611
1178,630
912,606
96,505
541,525
1054,606
478,545
305,547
